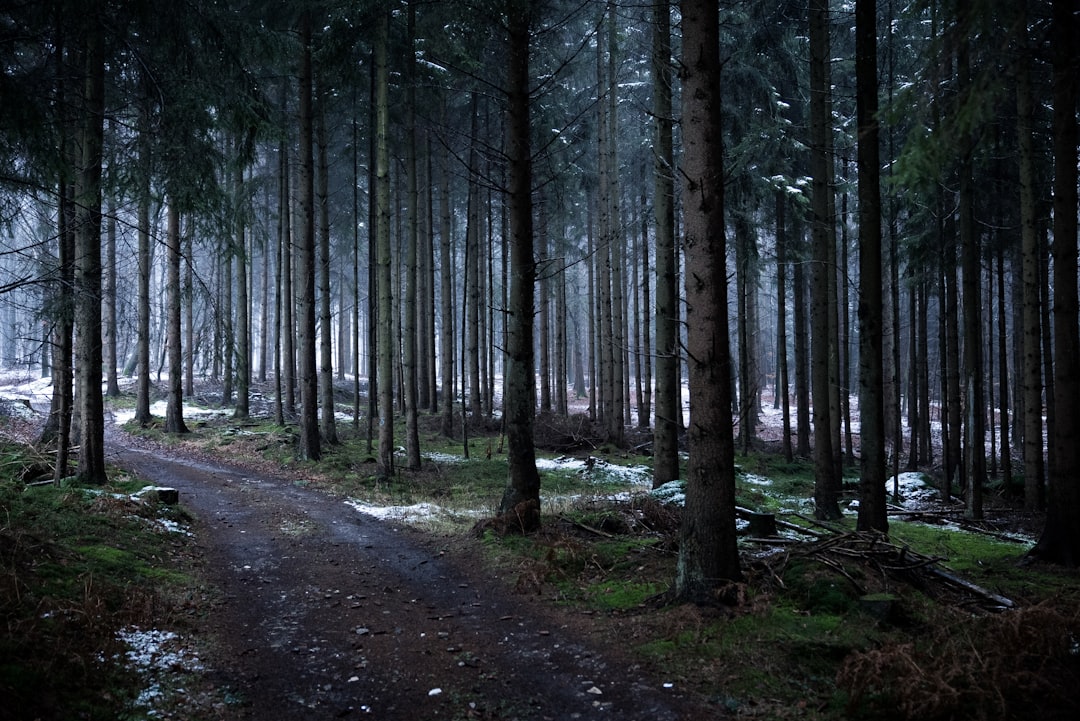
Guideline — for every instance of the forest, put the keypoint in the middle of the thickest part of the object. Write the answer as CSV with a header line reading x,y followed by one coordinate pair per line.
x,y
480,211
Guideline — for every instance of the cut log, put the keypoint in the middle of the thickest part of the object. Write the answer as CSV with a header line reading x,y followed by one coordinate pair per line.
x,y
160,494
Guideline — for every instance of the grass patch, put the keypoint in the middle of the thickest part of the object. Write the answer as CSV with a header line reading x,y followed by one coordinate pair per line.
x,y
76,564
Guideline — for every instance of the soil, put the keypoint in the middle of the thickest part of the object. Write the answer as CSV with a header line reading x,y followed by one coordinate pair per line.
x,y
320,612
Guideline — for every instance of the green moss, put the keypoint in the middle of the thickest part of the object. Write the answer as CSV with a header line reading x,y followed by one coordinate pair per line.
x,y
621,595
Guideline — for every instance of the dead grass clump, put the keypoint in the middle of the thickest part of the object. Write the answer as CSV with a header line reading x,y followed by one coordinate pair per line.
x,y
656,516
1018,665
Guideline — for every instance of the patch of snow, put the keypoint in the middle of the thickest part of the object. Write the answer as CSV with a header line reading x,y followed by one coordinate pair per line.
x,y
190,412
755,479
672,492
437,457
915,492
173,527
598,470
154,653
415,513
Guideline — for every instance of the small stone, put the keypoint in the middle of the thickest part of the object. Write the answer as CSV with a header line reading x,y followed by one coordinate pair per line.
x,y
594,690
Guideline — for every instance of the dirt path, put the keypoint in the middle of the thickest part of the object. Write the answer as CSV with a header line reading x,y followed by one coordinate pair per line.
x,y
327,613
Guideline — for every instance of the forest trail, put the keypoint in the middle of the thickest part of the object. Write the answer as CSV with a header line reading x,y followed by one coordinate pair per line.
x,y
327,613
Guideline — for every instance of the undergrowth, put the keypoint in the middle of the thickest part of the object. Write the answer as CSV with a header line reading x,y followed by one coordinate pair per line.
x,y
76,564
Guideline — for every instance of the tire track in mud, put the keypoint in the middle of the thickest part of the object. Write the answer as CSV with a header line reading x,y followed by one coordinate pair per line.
x,y
328,613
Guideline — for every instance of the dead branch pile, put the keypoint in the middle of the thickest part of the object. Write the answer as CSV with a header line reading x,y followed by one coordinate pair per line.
x,y
881,560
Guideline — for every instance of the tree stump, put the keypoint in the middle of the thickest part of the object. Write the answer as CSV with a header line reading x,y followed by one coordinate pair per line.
x,y
160,494
762,525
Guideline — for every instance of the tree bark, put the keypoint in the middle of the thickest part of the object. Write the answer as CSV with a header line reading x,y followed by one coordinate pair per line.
x,y
412,238
523,489
970,266
708,555
385,342
90,406
446,267
1034,465
327,405
781,324
872,511
1060,540
243,305
668,391
174,408
825,491
310,447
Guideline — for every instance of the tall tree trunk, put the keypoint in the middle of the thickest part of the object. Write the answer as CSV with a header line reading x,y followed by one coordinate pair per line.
x,y
174,409
914,411
668,391
470,329
522,495
188,301
57,428
802,350
1060,540
280,300
620,414
781,323
142,214
327,405
243,307
1003,364
90,406
825,491
954,419
970,266
112,387
871,364
544,311
1034,468
646,381
310,447
560,331
288,324
385,343
708,556
432,378
228,336
412,238
446,267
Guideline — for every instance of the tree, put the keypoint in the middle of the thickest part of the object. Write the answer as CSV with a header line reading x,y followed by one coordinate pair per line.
x,y
871,382
708,555
327,419
174,408
970,267
409,332
1060,540
305,256
1031,366
825,476
522,494
385,340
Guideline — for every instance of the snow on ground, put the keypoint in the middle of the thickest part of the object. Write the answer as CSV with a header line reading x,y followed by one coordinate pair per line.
x,y
598,470
190,412
416,513
156,654
28,393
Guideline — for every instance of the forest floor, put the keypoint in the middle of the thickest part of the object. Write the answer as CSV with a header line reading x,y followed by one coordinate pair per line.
x,y
295,605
